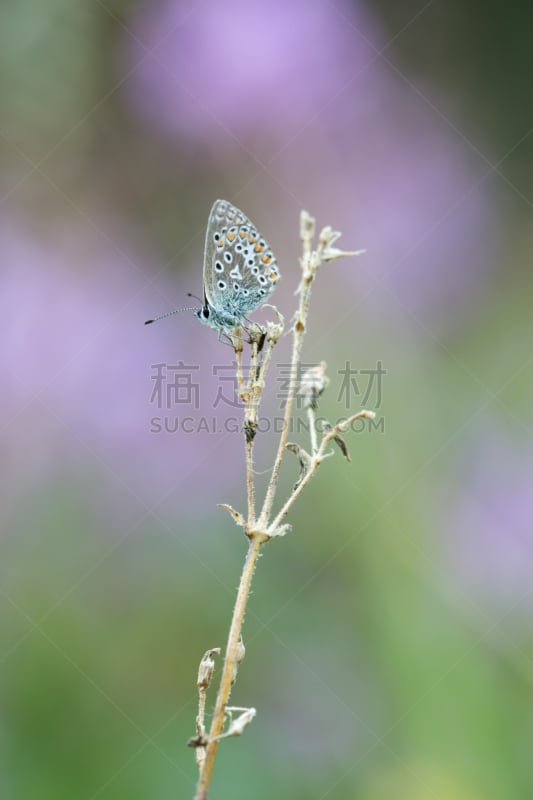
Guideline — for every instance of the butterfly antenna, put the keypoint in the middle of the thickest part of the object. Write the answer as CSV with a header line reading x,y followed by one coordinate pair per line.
x,y
168,314
190,294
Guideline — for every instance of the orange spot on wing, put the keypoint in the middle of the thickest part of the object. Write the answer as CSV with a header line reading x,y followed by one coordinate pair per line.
x,y
231,236
266,259
258,248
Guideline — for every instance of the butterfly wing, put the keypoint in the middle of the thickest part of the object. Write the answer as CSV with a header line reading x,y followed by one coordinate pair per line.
x,y
240,270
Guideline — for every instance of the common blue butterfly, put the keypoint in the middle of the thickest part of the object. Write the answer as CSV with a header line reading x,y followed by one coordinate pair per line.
x,y
240,269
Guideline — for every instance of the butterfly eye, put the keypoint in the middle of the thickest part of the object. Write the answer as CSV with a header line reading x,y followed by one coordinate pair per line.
x,y
204,313
219,266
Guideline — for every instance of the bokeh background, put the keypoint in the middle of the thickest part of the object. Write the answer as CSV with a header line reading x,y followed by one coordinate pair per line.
x,y
389,637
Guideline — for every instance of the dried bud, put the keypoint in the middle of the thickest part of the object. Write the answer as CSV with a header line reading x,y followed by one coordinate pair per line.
x,y
256,334
307,226
238,518
339,441
281,530
197,741
236,340
333,433
304,461
314,382
206,668
327,237
364,414
250,429
237,726
240,652
330,253
274,332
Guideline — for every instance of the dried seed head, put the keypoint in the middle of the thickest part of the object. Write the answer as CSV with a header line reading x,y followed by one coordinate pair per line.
x,y
274,332
206,668
307,226
236,340
256,333
240,652
304,460
332,253
326,237
197,741
238,725
313,383
250,429
339,441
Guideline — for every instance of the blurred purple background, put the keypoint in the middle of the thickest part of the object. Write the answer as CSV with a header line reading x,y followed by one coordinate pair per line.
x,y
122,123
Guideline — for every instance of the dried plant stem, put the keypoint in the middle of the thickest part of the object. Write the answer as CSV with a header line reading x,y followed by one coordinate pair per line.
x,y
316,461
250,489
261,530
250,425
295,360
307,229
311,416
238,347
200,730
251,392
230,662
205,673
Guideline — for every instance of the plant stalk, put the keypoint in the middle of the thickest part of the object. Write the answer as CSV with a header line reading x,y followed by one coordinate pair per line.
x,y
230,659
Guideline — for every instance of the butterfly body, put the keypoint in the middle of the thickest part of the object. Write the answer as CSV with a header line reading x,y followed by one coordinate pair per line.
x,y
240,269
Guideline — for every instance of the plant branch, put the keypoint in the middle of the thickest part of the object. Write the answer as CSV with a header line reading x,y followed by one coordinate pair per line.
x,y
309,266
230,663
316,460
250,428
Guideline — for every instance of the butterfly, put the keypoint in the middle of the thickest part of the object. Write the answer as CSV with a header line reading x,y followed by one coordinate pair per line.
x,y
240,269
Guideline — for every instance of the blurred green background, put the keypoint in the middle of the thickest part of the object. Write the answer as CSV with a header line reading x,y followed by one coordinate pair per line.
x,y
389,637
